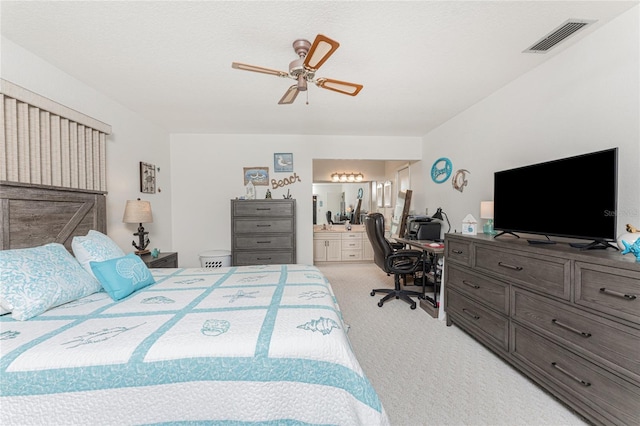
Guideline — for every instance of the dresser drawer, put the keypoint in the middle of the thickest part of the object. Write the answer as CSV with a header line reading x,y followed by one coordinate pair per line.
x,y
352,254
262,258
611,290
545,274
351,244
262,208
493,325
612,398
458,251
263,242
488,291
606,339
262,226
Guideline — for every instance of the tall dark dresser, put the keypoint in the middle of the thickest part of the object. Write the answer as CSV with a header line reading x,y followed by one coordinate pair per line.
x,y
263,232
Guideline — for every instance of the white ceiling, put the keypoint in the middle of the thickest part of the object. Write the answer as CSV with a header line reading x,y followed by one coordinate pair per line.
x,y
421,62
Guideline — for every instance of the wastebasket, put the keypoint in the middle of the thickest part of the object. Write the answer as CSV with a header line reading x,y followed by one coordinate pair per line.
x,y
215,258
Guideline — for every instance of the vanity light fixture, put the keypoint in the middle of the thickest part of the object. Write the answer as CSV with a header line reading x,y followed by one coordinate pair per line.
x,y
347,177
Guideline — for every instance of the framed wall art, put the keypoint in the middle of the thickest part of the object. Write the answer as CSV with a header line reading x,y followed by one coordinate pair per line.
x,y
258,175
147,178
282,162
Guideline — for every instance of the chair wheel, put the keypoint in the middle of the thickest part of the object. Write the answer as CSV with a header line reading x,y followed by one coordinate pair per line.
x,y
380,304
373,293
413,306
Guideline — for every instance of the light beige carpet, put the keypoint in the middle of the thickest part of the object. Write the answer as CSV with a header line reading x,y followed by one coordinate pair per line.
x,y
427,373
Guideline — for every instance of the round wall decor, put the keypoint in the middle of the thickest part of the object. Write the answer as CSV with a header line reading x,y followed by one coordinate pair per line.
x,y
459,180
441,170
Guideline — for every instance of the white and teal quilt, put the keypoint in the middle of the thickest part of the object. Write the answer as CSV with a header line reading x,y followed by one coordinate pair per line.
x,y
241,345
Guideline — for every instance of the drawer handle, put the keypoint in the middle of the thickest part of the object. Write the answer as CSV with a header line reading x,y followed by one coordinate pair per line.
x,y
506,265
457,251
263,226
471,314
263,242
470,284
263,208
263,258
568,327
566,373
618,294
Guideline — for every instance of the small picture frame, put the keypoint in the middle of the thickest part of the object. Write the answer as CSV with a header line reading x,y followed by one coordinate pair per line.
x,y
283,162
147,178
258,175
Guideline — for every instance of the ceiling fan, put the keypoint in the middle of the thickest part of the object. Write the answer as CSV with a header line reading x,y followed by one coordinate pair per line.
x,y
303,69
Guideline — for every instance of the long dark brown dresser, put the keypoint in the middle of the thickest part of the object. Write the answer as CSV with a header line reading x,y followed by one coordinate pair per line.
x,y
568,319
263,232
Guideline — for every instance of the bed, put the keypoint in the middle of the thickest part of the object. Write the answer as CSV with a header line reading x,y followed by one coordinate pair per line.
x,y
236,345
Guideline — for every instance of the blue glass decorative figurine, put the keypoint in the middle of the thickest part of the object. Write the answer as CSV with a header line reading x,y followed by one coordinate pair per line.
x,y
155,253
632,248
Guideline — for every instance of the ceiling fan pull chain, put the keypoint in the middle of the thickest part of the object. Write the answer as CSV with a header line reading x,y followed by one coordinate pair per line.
x,y
307,97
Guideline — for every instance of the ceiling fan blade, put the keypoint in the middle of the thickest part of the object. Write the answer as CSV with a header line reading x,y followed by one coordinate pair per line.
x,y
321,49
254,68
289,96
347,88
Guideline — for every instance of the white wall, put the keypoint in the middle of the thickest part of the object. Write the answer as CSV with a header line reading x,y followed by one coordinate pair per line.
x,y
585,99
133,140
207,173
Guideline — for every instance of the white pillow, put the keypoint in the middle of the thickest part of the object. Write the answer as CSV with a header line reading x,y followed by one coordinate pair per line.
x,y
35,279
94,247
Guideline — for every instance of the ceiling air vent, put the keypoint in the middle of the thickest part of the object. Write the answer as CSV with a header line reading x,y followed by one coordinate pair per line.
x,y
558,35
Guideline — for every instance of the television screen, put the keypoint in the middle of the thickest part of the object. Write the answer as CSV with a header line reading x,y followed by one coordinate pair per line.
x,y
572,197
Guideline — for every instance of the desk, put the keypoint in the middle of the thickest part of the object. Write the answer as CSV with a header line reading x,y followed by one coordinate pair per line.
x,y
432,252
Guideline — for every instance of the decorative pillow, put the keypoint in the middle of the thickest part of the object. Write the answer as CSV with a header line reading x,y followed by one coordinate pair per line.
x,y
122,276
96,247
35,279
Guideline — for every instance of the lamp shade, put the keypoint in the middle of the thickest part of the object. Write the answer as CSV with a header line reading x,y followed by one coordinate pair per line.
x,y
137,211
486,209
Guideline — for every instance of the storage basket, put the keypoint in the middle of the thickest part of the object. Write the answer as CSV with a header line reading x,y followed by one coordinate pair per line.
x,y
215,258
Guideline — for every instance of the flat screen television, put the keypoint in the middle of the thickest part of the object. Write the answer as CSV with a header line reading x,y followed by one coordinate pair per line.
x,y
572,197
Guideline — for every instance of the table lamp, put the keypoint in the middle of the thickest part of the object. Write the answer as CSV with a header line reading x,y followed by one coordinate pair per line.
x,y
138,211
486,212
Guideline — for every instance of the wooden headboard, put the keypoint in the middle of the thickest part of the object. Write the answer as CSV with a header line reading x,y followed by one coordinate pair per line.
x,y
32,215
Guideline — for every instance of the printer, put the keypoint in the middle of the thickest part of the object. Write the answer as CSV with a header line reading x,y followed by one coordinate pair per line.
x,y
422,228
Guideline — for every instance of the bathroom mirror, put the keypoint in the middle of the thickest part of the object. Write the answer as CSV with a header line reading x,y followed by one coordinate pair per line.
x,y
341,199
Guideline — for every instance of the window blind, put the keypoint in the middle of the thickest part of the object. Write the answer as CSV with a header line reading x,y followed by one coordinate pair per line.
x,y
44,142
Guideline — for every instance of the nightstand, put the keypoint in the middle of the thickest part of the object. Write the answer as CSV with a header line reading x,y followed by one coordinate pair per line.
x,y
164,260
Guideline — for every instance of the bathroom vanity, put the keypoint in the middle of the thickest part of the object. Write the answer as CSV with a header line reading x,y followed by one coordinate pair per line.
x,y
341,245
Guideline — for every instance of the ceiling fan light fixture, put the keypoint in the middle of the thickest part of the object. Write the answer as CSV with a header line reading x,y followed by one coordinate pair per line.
x,y
322,48
302,83
347,88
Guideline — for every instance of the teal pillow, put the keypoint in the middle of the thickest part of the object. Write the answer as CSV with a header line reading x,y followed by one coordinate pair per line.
x,y
33,280
122,276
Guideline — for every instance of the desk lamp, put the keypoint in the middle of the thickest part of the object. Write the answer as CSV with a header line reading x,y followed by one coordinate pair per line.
x,y
486,212
438,215
137,211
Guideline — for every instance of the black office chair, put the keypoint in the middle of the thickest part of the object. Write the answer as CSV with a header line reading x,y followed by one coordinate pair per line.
x,y
396,262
